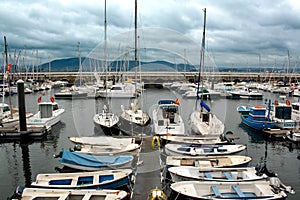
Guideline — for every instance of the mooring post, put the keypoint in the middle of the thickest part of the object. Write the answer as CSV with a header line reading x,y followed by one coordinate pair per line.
x,y
22,110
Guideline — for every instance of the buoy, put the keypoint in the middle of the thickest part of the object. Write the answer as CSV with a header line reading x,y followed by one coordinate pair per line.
x,y
287,102
276,102
155,142
157,194
52,99
258,106
39,99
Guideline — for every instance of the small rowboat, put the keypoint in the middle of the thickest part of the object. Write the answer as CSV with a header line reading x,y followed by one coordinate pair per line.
x,y
202,150
106,179
188,173
226,190
87,162
209,161
46,194
107,150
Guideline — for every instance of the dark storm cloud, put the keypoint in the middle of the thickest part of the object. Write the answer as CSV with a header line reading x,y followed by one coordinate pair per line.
x,y
237,30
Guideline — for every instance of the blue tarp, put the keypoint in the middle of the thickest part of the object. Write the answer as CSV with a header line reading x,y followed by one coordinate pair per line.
x,y
92,160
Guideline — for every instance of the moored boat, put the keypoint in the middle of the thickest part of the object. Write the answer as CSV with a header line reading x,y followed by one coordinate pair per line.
x,y
208,161
196,139
167,119
190,173
258,119
64,194
49,114
87,162
105,179
227,190
107,150
202,150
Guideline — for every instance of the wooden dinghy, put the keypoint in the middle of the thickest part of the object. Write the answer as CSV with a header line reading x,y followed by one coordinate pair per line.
x,y
106,179
209,161
87,162
226,190
188,173
107,150
46,194
202,150
196,139
102,140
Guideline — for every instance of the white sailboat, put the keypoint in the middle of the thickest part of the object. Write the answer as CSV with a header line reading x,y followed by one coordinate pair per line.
x,y
135,117
107,120
204,122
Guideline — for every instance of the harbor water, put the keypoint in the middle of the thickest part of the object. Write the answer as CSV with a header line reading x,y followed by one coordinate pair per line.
x,y
21,161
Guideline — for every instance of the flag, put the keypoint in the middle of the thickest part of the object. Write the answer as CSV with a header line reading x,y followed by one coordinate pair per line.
x,y
177,102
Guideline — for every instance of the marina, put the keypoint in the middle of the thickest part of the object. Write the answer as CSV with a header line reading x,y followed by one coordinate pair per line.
x,y
26,158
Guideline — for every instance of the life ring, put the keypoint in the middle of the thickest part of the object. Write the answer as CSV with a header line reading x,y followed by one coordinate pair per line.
x,y
52,99
155,142
39,99
287,102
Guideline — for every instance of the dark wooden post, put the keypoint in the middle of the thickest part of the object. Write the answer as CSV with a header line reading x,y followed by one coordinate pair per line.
x,y
22,110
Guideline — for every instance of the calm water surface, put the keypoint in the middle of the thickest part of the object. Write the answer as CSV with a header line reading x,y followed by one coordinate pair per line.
x,y
22,161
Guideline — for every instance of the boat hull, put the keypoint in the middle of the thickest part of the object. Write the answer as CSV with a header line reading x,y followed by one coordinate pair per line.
x,y
257,125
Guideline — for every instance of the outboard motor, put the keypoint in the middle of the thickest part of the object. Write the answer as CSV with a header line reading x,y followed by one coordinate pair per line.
x,y
223,137
77,147
278,186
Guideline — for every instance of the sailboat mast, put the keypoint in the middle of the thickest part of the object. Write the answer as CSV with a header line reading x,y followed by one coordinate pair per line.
x,y
135,45
80,67
8,77
201,59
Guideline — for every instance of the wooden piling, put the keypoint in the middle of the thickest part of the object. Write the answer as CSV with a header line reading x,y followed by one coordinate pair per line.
x,y
22,109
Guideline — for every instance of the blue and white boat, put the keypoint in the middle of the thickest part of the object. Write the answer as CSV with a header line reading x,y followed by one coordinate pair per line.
x,y
87,162
202,150
258,118
105,179
208,161
190,173
266,190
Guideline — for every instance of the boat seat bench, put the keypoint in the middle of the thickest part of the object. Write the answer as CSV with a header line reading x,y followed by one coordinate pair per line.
x,y
216,191
228,176
207,175
238,191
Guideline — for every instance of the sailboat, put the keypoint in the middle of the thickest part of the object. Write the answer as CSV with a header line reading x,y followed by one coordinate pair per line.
x,y
134,118
107,120
202,120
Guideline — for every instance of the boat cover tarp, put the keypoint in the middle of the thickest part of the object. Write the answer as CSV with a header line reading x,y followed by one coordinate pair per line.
x,y
203,104
92,160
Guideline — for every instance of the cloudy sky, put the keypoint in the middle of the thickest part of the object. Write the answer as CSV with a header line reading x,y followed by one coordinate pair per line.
x,y
238,32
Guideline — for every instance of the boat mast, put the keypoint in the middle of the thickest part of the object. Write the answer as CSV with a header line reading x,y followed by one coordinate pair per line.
x,y
135,45
8,79
201,60
80,67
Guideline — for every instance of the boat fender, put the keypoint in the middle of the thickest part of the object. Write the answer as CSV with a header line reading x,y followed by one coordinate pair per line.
x,y
155,142
52,99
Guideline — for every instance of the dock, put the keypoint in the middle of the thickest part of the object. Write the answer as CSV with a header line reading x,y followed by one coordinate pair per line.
x,y
15,132
275,133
